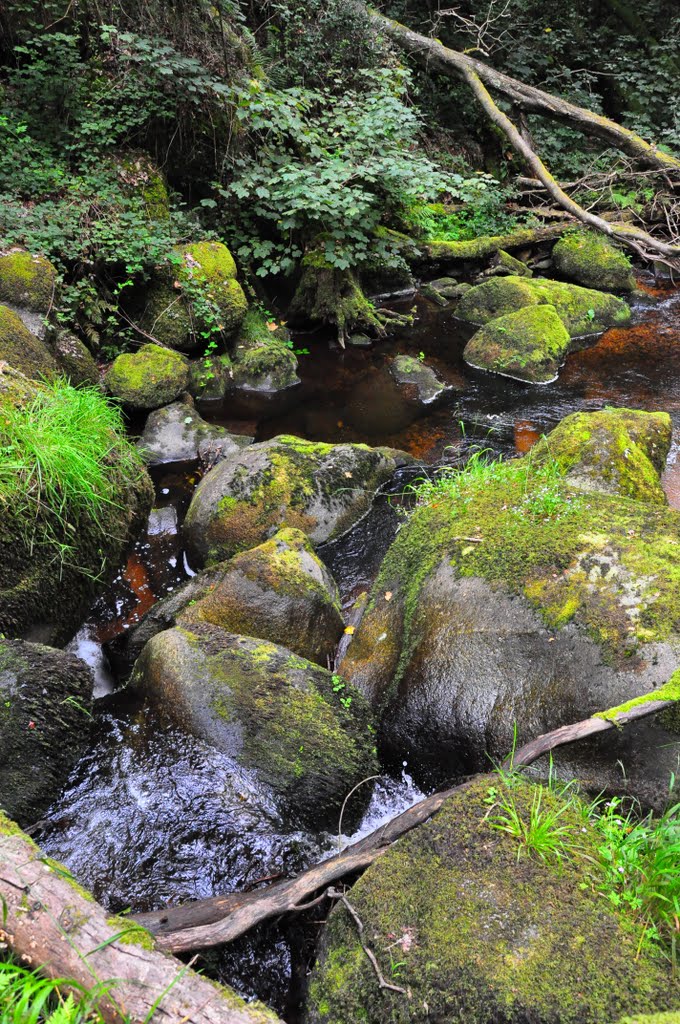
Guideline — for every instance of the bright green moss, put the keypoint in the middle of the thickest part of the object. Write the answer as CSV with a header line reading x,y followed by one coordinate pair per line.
x,y
27,281
529,344
480,935
149,378
22,350
669,691
591,260
167,317
131,934
263,357
581,310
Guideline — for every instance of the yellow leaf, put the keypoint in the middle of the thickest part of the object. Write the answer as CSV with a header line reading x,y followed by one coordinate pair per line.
x,y
388,595
272,325
349,630
348,474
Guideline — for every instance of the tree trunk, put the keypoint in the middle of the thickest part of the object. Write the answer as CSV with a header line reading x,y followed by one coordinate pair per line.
x,y
52,924
451,62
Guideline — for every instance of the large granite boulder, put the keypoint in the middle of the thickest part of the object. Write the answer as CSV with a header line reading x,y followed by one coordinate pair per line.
x,y
278,591
529,344
45,702
321,489
582,310
515,599
306,733
473,928
590,259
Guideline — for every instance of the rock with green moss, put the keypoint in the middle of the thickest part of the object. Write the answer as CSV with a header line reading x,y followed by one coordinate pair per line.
x,y
527,345
449,287
321,489
590,259
481,935
582,310
505,264
518,599
138,175
279,591
419,384
27,282
615,451
50,566
305,733
149,378
45,702
22,350
176,433
198,295
75,360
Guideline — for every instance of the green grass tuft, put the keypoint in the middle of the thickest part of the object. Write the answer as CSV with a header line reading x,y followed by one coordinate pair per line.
x,y
64,459
26,997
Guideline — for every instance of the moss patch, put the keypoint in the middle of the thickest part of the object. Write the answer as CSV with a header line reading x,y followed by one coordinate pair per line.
x,y
27,281
529,344
480,936
22,350
669,691
263,358
591,260
617,451
149,378
582,310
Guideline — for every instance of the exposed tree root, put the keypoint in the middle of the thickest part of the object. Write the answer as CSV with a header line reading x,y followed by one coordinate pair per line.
x,y
332,296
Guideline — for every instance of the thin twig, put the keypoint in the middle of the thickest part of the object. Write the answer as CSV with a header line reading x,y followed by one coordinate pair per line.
x,y
335,894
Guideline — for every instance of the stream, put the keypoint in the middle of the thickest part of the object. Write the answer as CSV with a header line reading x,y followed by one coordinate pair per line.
x,y
151,816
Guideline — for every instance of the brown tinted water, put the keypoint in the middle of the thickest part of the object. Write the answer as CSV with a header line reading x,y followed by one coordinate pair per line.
x,y
152,817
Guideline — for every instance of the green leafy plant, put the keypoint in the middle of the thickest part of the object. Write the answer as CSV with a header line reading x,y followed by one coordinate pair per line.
x,y
28,998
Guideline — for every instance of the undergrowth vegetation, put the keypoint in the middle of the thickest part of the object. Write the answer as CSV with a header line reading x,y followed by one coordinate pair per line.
x,y
26,997
64,459
633,861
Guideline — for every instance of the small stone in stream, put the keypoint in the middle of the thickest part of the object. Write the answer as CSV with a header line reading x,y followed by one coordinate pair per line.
x,y
359,341
449,288
419,382
176,433
162,522
431,293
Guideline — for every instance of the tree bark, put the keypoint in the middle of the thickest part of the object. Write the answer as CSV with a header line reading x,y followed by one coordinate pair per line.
x,y
631,236
51,924
527,97
222,919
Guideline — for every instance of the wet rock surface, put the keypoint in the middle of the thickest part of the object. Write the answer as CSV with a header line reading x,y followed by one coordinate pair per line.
x,y
321,489
306,733
177,433
45,703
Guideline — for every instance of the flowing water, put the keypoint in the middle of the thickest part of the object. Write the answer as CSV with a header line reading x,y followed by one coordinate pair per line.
x,y
152,817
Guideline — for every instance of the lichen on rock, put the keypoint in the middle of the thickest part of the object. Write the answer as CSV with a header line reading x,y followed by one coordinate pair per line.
x,y
321,489
307,734
27,281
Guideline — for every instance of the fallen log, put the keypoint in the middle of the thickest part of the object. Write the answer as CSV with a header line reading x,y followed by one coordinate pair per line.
x,y
50,923
221,919
527,97
478,248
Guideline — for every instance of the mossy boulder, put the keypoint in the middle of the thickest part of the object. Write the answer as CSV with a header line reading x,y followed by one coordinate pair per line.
x,y
582,310
22,350
517,599
177,433
75,360
615,451
44,594
321,489
305,733
448,287
527,345
149,378
45,701
199,294
279,591
138,175
591,260
263,357
481,935
27,281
